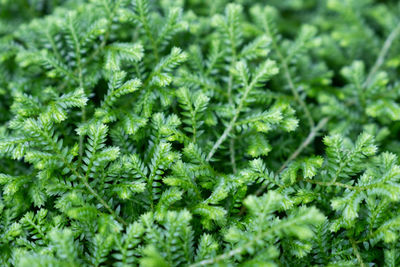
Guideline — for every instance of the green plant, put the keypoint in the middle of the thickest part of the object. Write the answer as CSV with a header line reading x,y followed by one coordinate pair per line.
x,y
199,133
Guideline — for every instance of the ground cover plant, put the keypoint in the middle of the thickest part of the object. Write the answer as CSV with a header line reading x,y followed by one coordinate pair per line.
x,y
199,133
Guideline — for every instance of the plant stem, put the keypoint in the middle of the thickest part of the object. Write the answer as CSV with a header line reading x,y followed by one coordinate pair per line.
x,y
315,130
382,54
231,141
232,154
356,252
289,79
231,123
87,185
335,184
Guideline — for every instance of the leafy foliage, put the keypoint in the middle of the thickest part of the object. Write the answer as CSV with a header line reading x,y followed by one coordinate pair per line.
x,y
199,133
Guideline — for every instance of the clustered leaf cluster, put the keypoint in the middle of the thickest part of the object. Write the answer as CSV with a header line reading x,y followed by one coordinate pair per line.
x,y
199,133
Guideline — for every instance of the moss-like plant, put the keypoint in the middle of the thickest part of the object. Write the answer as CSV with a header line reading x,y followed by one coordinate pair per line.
x,y
199,133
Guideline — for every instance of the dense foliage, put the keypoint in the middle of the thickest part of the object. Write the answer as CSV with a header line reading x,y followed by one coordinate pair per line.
x,y
199,133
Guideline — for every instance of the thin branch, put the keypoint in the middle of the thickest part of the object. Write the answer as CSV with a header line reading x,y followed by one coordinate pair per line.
x,y
295,93
218,258
305,143
289,79
230,100
296,153
98,49
222,138
97,196
231,123
327,184
232,141
85,182
382,54
232,153
356,252
80,77
107,34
